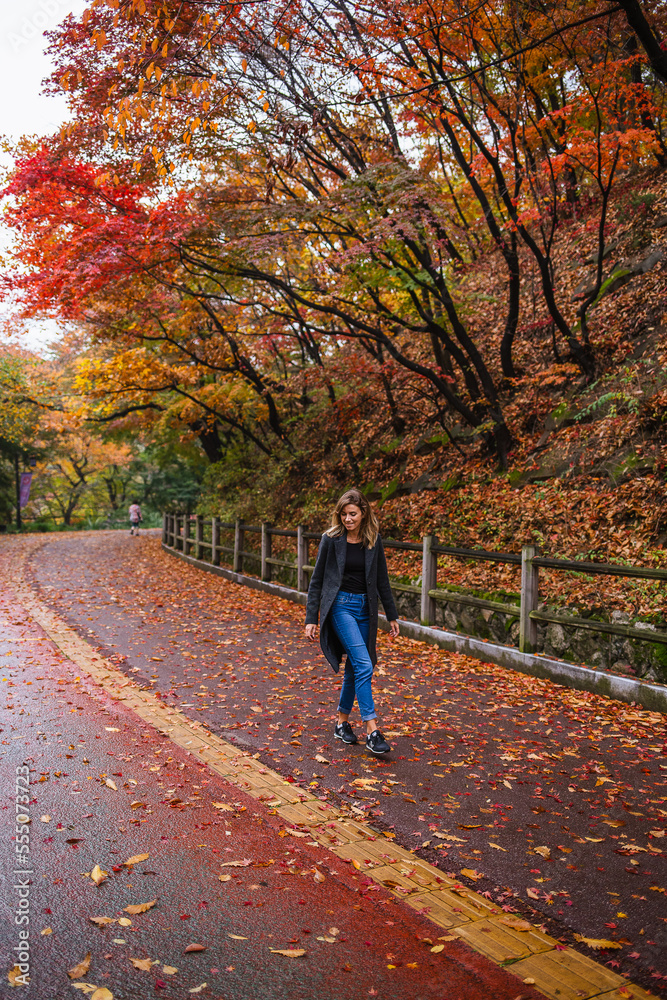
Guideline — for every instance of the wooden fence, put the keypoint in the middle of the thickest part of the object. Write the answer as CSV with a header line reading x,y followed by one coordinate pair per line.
x,y
205,544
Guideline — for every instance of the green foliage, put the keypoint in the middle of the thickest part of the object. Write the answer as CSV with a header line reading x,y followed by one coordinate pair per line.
x,y
7,489
641,199
621,401
170,481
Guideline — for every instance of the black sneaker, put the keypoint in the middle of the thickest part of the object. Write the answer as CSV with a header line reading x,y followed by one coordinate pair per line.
x,y
344,732
376,743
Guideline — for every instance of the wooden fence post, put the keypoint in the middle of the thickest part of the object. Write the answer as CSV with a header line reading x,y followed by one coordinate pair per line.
x,y
266,552
238,547
529,600
215,541
429,579
199,534
301,560
186,534
172,531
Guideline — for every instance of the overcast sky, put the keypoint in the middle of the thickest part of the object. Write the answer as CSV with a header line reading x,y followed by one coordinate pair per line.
x,y
23,67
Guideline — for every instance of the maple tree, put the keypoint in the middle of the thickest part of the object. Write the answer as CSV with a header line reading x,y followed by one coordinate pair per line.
x,y
80,475
297,234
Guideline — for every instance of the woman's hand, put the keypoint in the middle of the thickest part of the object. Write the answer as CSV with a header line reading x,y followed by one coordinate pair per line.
x,y
311,632
393,629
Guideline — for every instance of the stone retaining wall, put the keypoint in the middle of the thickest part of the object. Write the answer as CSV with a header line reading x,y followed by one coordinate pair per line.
x,y
624,656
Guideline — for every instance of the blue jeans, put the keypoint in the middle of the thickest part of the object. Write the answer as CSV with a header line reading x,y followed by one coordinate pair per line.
x,y
349,617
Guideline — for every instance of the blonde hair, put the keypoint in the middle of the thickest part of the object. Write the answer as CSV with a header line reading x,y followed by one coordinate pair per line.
x,y
369,528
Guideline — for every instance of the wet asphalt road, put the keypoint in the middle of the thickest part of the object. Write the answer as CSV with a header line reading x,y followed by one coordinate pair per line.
x,y
555,798
102,791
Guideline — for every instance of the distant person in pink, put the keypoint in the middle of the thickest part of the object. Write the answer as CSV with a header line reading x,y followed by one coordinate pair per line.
x,y
135,518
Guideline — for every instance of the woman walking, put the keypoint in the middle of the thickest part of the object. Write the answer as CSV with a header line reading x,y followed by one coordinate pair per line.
x,y
135,517
350,573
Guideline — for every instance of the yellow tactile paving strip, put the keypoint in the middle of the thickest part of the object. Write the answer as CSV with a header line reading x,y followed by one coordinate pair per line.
x,y
534,957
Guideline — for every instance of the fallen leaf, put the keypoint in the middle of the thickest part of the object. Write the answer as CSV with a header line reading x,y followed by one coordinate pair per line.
x,y
194,947
102,993
81,969
112,729
137,805
169,970
321,759
45,819
135,859
124,922
471,873
544,851
532,893
223,805
142,963
102,921
111,784
289,952
237,864
529,981
98,875
225,878
498,847
516,923
237,937
614,822
140,907
16,977
437,948
46,931
597,942
198,989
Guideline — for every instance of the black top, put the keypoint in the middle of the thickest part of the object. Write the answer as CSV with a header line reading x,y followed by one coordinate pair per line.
x,y
354,577
325,585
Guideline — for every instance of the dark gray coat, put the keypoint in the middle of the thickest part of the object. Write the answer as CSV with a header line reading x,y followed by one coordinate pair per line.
x,y
325,584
